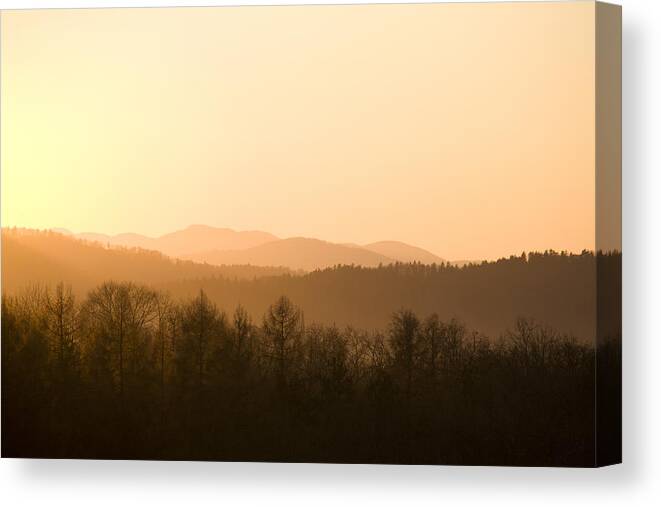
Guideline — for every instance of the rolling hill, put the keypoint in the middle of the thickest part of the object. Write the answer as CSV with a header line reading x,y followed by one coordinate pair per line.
x,y
195,238
295,253
47,257
222,246
403,253
554,289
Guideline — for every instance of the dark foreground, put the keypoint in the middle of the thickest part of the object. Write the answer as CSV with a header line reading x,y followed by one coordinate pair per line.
x,y
130,374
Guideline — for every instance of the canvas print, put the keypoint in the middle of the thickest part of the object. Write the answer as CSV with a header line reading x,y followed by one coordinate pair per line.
x,y
383,234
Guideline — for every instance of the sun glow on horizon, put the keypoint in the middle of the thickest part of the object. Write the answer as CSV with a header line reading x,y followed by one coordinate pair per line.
x,y
344,123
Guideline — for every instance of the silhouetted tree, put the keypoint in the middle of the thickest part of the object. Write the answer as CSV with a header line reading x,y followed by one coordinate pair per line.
x,y
201,322
120,314
62,325
242,335
432,336
131,374
282,331
405,342
165,333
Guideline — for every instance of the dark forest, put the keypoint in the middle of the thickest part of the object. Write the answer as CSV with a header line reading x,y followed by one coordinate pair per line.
x,y
129,371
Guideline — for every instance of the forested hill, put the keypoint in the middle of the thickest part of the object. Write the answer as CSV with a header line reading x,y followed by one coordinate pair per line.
x,y
44,257
554,289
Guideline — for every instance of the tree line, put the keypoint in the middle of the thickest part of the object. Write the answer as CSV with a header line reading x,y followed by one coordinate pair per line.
x,y
557,288
552,287
130,372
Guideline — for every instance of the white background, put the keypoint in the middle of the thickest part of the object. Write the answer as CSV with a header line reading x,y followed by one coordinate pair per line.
x,y
636,482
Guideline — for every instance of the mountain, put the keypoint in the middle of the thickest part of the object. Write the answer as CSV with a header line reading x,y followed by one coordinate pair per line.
x,y
196,238
403,253
47,257
295,253
222,246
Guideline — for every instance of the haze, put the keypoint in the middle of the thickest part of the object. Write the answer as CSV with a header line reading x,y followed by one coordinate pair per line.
x,y
467,130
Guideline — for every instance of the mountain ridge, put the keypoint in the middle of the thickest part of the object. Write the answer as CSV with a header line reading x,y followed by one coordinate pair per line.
x,y
45,257
222,246
404,252
190,240
295,253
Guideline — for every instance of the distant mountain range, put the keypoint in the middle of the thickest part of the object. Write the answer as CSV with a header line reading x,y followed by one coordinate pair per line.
x,y
188,241
295,253
222,246
47,257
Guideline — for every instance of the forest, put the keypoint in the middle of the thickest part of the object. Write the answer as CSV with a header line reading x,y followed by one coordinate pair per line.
x,y
555,288
131,372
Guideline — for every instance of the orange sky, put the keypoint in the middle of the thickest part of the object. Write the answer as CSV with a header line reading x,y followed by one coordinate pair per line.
x,y
466,129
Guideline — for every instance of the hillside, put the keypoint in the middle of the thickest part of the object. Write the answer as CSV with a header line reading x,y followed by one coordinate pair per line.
x,y
402,252
30,256
558,290
295,253
553,289
222,246
196,238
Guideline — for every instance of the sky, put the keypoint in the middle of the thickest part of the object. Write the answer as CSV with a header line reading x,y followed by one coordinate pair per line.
x,y
465,129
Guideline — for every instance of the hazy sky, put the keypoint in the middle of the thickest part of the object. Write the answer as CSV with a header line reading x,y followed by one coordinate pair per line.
x,y
466,129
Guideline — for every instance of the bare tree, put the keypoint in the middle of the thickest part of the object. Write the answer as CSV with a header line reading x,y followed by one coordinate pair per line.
x,y
242,327
62,323
121,313
200,321
405,344
532,345
164,328
432,331
327,360
282,330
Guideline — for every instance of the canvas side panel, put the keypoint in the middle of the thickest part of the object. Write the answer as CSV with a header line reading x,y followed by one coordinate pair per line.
x,y
608,135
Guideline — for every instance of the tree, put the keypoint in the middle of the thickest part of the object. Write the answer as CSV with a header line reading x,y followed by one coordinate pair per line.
x,y
532,345
405,343
242,329
327,356
120,314
200,322
165,328
62,326
282,331
432,331
452,342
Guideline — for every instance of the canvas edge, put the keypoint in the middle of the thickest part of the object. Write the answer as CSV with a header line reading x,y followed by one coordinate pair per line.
x,y
608,233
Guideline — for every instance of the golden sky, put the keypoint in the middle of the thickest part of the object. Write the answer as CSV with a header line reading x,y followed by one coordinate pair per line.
x,y
466,129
